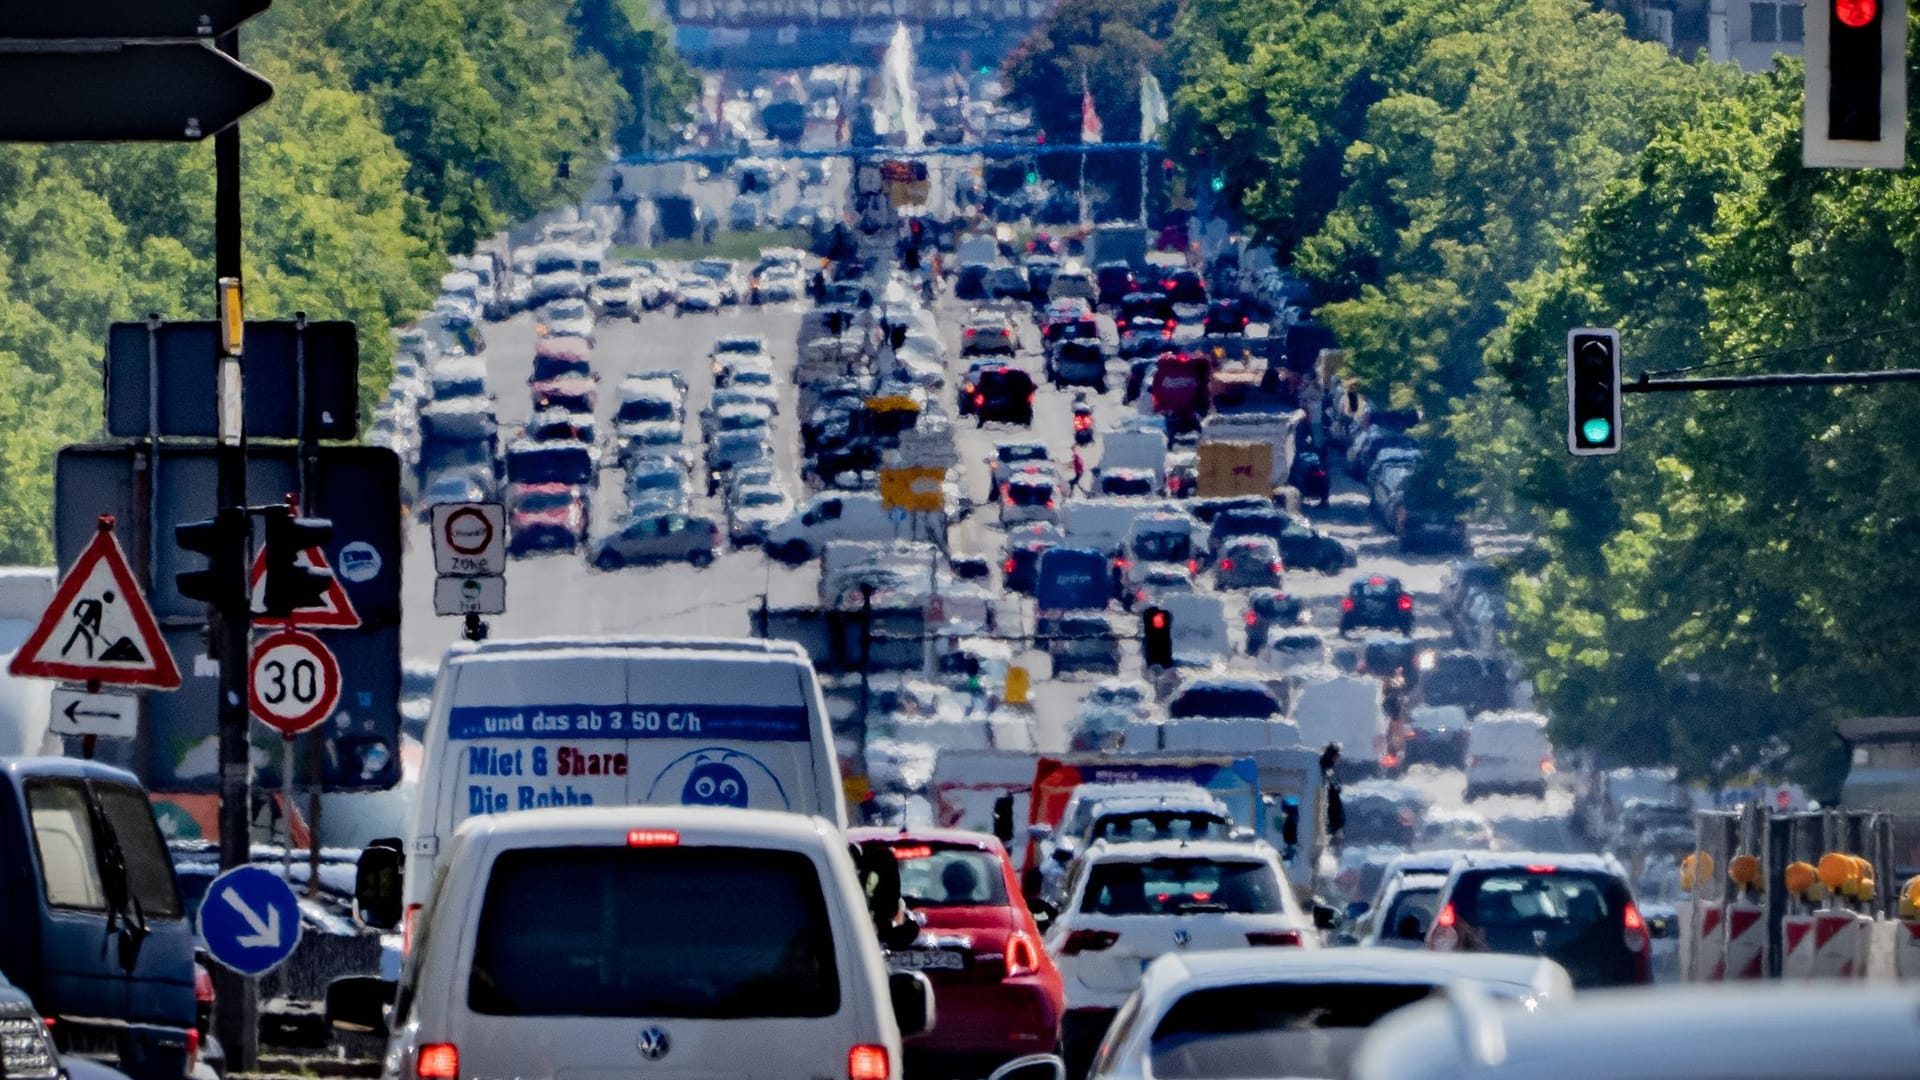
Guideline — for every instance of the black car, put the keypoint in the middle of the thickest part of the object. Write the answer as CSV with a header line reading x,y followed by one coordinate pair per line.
x,y
1269,610
1380,601
1456,677
1309,477
1185,287
1574,910
1004,394
1081,642
1426,529
1226,317
1112,280
1304,547
1150,304
1021,570
1137,372
971,282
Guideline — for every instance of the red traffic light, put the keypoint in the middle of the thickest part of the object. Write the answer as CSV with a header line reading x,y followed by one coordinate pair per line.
x,y
1159,620
1855,13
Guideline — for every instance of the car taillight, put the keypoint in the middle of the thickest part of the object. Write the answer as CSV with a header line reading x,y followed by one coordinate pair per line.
x,y
193,1050
1007,567
867,1062
970,331
1193,566
653,838
437,1061
1166,331
1277,567
1023,956
1252,618
1049,504
1389,761
1546,766
1346,603
406,929
1029,397
1317,474
1243,320
1406,602
1444,938
1634,929
1088,941
1274,937
202,984
1122,563
1226,564
979,400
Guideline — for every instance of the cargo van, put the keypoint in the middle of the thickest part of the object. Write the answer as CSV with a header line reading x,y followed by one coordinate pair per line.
x,y
92,926
1344,709
833,515
557,722
1508,754
634,940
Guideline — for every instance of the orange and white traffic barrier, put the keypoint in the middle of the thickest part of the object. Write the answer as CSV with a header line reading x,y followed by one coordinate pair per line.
x,y
1706,936
1839,945
1796,930
1745,955
1906,934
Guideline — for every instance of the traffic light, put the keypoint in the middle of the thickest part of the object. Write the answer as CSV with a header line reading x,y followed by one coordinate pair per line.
x,y
290,586
1157,634
1856,97
1218,183
221,540
1593,391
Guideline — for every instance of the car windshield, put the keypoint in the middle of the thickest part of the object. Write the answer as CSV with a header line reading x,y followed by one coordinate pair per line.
x,y
549,366
1308,1029
939,876
1117,695
656,481
1224,702
753,377
539,502
614,281
644,410
460,387
742,421
1378,589
572,310
761,497
1162,547
1179,886
1022,493
750,935
738,345
1022,453
1125,484
1143,826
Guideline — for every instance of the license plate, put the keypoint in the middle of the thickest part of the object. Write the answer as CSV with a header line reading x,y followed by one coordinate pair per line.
x,y
926,960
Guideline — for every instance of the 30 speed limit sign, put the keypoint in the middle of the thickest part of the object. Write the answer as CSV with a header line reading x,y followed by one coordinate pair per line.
x,y
295,681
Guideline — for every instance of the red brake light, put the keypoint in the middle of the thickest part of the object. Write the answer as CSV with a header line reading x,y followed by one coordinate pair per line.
x,y
1252,618
653,838
1193,566
202,984
1166,331
1159,620
1446,917
1346,603
969,331
979,399
1007,567
1634,930
867,1062
1279,569
1631,919
406,929
1406,602
1226,564
437,1061
912,851
1023,956
193,1049
1274,937
1088,941
1376,580
1540,869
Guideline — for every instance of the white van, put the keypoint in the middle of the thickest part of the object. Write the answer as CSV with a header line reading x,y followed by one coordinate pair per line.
x,y
1508,754
834,515
1344,709
526,725
1199,629
648,940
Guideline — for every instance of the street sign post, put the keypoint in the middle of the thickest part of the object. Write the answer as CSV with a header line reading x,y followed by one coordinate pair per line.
x,y
76,712
294,682
250,920
124,92
470,596
470,539
99,627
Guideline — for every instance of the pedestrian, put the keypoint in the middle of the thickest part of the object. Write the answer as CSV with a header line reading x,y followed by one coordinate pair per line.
x,y
1079,471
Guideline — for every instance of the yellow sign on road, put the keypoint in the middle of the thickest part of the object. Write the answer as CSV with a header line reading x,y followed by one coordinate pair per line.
x,y
914,490
1016,686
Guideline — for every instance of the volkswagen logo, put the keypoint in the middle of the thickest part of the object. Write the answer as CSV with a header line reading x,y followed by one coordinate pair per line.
x,y
653,1044
1182,938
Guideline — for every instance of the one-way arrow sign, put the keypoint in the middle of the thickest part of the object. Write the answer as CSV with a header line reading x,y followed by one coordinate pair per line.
x,y
123,19
77,92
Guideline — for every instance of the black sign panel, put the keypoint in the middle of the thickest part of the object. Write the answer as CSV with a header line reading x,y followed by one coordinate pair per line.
x,y
121,20
185,356
117,92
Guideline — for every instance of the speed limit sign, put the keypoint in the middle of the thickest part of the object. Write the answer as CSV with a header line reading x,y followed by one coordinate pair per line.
x,y
295,681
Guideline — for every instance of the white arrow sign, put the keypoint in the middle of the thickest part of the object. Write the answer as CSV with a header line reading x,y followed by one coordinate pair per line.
x,y
266,932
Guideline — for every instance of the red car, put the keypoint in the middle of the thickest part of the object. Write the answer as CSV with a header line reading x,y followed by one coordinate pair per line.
x,y
997,994
545,517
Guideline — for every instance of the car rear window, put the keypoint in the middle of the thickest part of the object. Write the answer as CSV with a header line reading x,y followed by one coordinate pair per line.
x,y
1272,1029
1030,494
71,841
1224,701
1524,898
1144,826
932,875
710,933
1182,886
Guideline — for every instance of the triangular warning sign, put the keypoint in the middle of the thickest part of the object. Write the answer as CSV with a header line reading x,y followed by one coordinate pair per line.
x,y
334,609
99,627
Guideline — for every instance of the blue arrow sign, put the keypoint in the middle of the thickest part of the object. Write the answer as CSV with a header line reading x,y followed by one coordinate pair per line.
x,y
250,919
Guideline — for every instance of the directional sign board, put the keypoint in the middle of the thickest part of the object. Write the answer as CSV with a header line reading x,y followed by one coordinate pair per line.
x,y
294,682
470,539
99,627
470,596
334,610
123,92
250,920
123,19
76,712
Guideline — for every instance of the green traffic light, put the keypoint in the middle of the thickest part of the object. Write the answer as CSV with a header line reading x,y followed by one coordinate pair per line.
x,y
1219,183
1033,178
1596,430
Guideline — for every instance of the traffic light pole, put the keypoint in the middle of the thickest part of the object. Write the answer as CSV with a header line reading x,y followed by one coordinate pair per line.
x,y
1648,385
235,1003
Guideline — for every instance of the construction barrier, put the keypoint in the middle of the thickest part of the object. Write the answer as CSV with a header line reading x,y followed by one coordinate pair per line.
x,y
1839,944
1745,955
1796,936
1906,949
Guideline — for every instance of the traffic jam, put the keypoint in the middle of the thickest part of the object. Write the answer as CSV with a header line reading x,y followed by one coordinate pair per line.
x,y
1113,704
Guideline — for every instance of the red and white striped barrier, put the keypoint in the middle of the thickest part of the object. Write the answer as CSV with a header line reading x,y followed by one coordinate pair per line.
x,y
1709,943
1839,941
1746,946
1796,938
1906,949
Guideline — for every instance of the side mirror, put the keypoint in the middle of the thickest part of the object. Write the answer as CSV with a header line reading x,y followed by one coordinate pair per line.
x,y
912,996
358,1004
1324,917
1031,1067
1063,854
377,882
1660,928
1040,833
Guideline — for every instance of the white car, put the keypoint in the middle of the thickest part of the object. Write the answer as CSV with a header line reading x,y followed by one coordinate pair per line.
x,y
568,318
1129,904
694,293
1030,495
753,510
616,295
1107,710
755,379
1260,1012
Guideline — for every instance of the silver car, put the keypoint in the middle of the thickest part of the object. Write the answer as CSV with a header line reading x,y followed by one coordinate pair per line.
x,y
659,538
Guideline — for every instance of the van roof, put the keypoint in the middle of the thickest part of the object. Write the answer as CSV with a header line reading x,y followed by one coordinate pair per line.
x,y
66,767
769,647
608,826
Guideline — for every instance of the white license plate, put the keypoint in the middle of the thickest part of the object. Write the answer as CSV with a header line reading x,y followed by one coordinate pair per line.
x,y
926,960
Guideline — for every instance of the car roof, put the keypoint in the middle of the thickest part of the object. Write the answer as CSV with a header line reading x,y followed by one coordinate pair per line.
x,y
607,826
1185,972
1182,802
1520,860
1150,850
958,837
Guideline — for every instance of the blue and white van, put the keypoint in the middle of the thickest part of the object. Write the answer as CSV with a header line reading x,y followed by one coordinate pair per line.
x,y
559,722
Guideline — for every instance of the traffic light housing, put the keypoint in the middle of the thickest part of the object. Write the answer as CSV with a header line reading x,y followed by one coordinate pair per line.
x,y
1856,84
1156,628
1593,391
222,541
289,585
